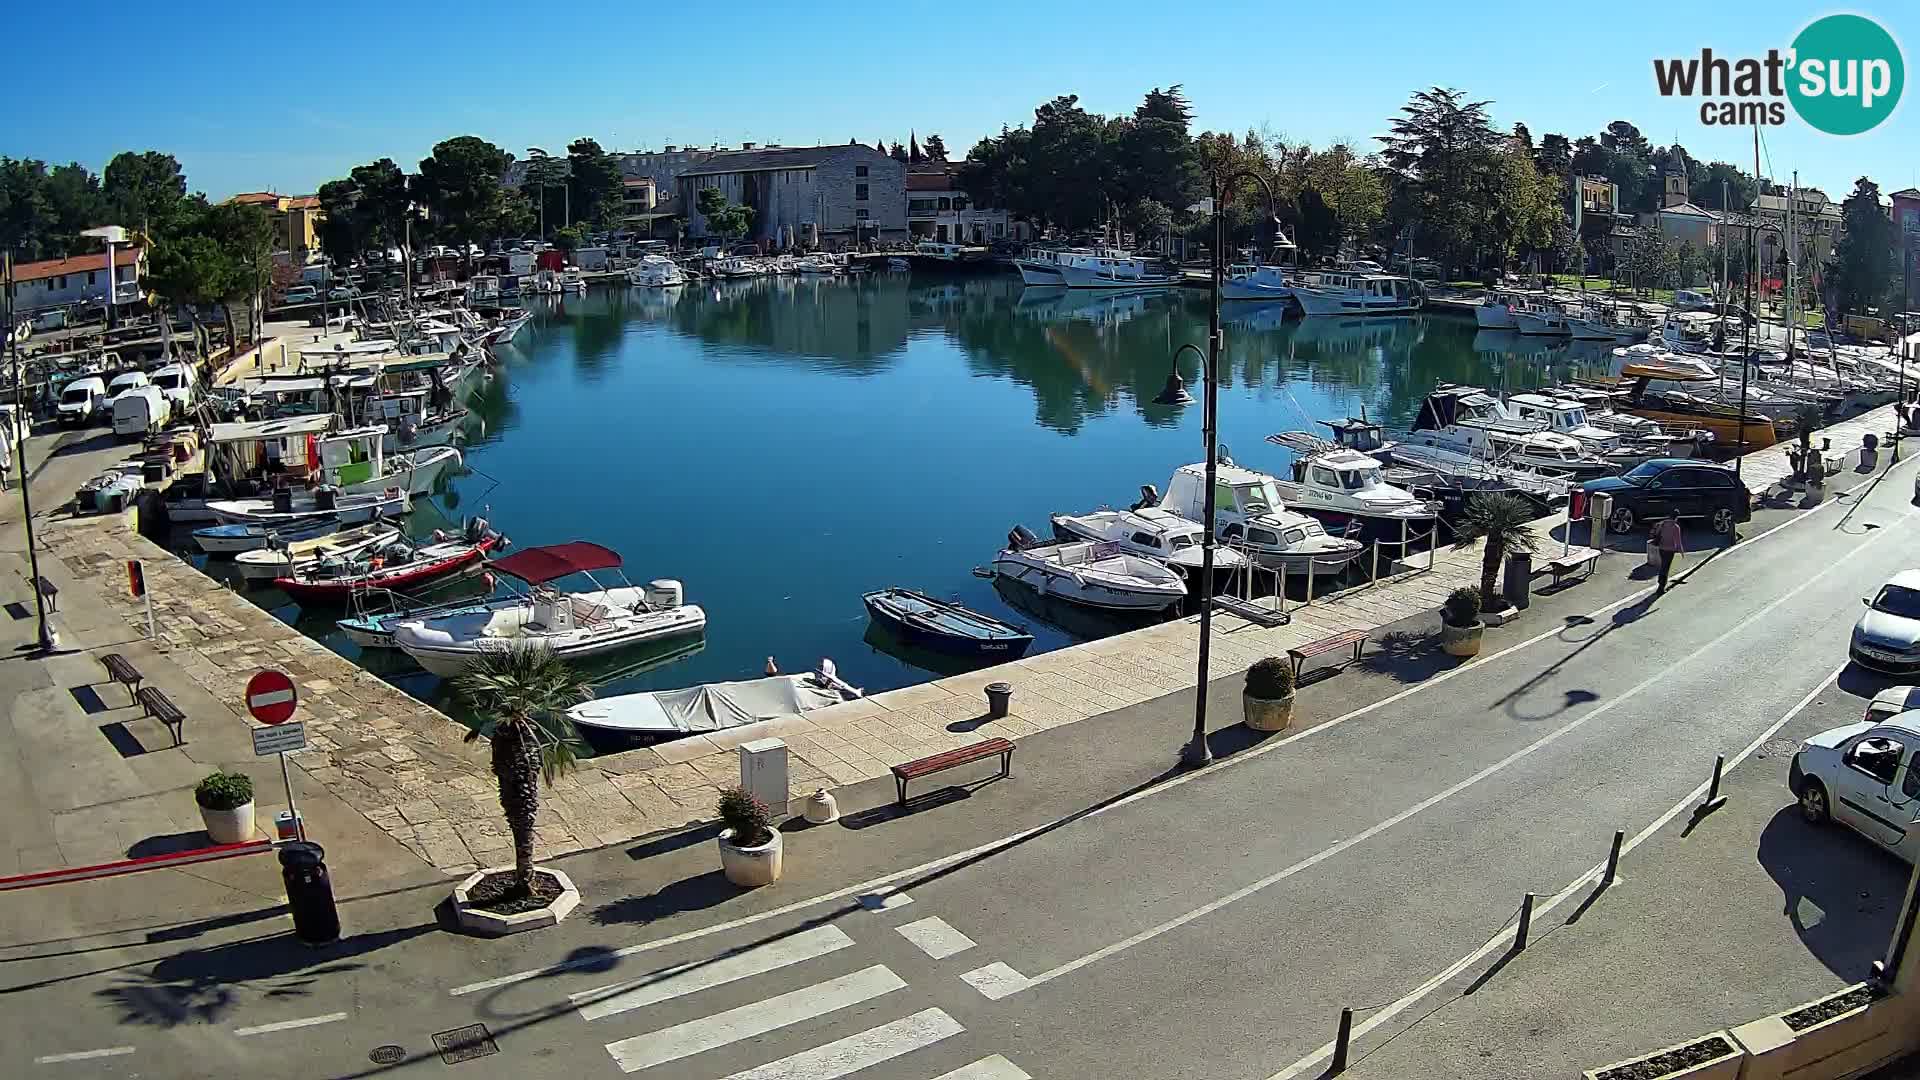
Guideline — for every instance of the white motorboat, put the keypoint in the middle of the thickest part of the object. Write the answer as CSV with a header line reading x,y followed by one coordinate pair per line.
x,y
1474,424
355,461
573,626
509,327
667,714
234,539
1094,574
285,507
1348,492
1537,315
655,272
1150,532
820,262
1249,514
1250,282
736,266
1343,292
1495,311
572,281
281,558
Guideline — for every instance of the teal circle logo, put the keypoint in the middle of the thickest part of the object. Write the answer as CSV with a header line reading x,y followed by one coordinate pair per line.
x,y
1847,74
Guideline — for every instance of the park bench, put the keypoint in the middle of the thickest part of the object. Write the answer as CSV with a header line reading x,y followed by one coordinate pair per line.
x,y
927,766
48,592
161,707
1300,654
120,670
1580,561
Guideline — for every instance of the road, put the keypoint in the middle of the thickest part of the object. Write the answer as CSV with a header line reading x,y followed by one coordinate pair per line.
x,y
1212,925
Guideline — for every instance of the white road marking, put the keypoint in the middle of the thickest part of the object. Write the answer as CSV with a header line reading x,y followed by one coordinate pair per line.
x,y
289,1025
856,1052
996,981
885,900
869,886
1592,876
758,1018
698,975
987,1068
83,1055
1447,793
935,937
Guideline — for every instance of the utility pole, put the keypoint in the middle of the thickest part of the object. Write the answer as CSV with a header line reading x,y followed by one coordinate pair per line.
x,y
48,639
1747,321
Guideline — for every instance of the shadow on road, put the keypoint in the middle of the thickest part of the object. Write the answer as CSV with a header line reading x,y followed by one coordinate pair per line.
x,y
689,894
1840,892
1407,656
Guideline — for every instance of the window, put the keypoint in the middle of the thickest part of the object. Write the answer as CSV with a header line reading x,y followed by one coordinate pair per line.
x,y
1223,497
1262,536
999,229
1899,601
1145,539
859,170
1181,541
1877,756
1294,536
1324,477
61,283
93,277
860,215
1911,786
859,193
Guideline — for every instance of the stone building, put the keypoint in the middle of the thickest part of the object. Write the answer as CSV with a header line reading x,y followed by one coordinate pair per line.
x,y
802,195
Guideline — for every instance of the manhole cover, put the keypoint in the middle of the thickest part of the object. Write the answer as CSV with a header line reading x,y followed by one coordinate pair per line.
x,y
464,1043
387,1055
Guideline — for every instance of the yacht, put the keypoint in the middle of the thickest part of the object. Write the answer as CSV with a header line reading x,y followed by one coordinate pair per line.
x,y
1468,421
1250,282
1540,316
1149,532
655,271
1636,433
1250,515
1348,492
1093,574
1344,292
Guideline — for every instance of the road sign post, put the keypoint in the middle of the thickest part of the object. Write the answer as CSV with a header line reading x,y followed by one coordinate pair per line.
x,y
271,699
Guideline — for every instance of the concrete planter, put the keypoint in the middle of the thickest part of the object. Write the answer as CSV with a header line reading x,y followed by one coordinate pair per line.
x,y
1722,1066
1461,641
750,867
1268,714
495,924
233,826
1845,1044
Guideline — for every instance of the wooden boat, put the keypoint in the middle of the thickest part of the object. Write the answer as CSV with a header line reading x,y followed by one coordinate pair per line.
x,y
1668,403
945,627
397,568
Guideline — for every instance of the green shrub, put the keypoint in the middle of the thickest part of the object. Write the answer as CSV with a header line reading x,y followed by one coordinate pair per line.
x,y
1462,607
748,817
1270,679
224,791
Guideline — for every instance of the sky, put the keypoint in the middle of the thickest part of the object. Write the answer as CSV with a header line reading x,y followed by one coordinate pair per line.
x,y
253,97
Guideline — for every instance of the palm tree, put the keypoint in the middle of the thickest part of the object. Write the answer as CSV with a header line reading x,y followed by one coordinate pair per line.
x,y
1502,523
520,697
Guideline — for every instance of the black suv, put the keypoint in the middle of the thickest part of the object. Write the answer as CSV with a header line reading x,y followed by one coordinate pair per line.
x,y
1694,489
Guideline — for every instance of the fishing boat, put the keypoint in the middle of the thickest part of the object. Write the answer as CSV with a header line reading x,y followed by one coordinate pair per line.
x,y
572,626
1686,396
1150,532
669,714
284,558
234,539
1343,292
1251,516
1247,281
396,567
1540,316
509,326
944,626
285,507
1094,574
1348,492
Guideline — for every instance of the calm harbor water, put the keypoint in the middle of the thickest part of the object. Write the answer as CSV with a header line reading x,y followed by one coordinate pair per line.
x,y
784,445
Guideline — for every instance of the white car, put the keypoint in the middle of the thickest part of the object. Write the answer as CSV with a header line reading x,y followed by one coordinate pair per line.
x,y
1864,776
301,294
342,292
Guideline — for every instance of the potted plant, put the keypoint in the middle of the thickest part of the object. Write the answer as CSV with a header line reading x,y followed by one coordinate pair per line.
x,y
1499,523
1807,467
749,844
1460,625
226,807
1269,695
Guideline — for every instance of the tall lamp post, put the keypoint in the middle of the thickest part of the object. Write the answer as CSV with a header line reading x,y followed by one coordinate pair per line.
x,y
48,639
1906,294
1197,753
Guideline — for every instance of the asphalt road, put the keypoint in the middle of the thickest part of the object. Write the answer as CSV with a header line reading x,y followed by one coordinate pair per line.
x,y
1213,925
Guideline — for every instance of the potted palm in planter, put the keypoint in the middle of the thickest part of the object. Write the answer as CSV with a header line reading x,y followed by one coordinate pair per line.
x,y
226,807
1269,695
750,846
519,698
1460,625
1500,524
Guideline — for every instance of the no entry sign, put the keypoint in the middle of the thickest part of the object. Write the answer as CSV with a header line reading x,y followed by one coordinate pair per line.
x,y
270,697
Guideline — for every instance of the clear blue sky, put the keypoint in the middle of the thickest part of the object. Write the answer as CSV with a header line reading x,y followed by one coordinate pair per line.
x,y
256,96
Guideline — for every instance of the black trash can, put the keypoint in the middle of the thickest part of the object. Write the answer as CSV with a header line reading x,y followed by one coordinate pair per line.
x,y
999,696
1519,583
303,866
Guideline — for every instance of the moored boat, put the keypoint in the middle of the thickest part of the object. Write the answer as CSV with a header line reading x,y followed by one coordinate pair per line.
x,y
280,557
944,626
396,567
668,714
1094,574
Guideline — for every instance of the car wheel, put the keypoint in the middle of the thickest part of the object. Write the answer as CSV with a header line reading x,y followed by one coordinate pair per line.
x,y
1813,802
1723,520
1621,520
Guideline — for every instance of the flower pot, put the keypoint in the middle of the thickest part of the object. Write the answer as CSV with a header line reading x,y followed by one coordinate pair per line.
x,y
750,866
1268,714
233,826
1461,640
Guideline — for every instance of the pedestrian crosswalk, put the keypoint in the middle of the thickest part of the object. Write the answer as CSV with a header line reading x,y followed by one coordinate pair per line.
x,y
826,1022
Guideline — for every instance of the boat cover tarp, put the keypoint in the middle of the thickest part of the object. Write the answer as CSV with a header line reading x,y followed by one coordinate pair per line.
x,y
713,707
537,565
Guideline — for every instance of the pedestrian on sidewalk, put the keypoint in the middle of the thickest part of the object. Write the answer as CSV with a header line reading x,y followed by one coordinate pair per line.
x,y
1668,539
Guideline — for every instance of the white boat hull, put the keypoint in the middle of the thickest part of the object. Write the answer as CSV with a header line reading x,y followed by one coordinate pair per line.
x,y
347,512
1254,290
452,657
1089,591
1080,277
1537,324
1038,273
1318,302
428,465
1494,317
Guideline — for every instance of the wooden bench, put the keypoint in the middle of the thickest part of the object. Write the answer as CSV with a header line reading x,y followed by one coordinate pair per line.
x,y
1580,560
120,670
161,707
927,766
1300,654
48,592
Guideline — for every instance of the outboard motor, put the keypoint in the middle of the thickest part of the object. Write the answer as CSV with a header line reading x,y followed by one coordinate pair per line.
x,y
1149,496
476,529
1020,538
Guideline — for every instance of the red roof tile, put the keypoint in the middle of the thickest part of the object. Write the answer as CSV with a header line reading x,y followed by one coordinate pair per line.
x,y
79,264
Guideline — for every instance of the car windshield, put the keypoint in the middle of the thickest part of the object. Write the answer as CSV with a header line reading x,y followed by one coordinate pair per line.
x,y
1642,472
78,393
1898,600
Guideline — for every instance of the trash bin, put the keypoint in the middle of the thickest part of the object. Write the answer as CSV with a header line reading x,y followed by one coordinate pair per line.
x,y
1518,587
999,695
303,867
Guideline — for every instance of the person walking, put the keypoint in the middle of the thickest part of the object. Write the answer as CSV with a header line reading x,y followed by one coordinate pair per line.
x,y
1669,541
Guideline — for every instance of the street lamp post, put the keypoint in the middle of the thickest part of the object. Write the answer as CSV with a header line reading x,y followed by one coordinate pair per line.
x,y
1906,293
48,640
1197,753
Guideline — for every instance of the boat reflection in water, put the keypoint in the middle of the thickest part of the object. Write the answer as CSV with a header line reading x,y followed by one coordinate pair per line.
x,y
1074,620
923,659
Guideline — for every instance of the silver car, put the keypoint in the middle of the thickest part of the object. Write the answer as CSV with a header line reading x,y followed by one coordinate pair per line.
x,y
1864,776
1887,637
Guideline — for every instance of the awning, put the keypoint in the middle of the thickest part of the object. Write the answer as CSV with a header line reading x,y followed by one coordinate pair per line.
x,y
541,564
272,429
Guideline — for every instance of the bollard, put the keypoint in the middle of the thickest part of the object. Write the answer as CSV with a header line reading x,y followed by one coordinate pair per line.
x,y
1526,923
1340,1041
1613,858
1714,799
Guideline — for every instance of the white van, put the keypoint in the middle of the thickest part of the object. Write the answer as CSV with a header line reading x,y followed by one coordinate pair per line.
x,y
80,402
125,381
140,412
177,381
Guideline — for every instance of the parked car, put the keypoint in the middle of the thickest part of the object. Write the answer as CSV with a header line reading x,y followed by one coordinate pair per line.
x,y
1887,637
301,294
1892,701
141,412
1695,489
179,383
342,292
1864,776
80,401
125,381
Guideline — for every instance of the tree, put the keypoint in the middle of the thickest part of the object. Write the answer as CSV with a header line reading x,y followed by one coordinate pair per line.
x,y
546,173
1069,146
996,171
342,228
144,191
898,153
570,238
385,203
1526,205
1647,259
188,269
1499,523
1862,262
521,697
1350,186
934,149
23,207
1740,187
74,204
1566,248
1152,153
1554,155
245,238
723,216
1441,149
1688,265
595,183
1318,232
461,182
